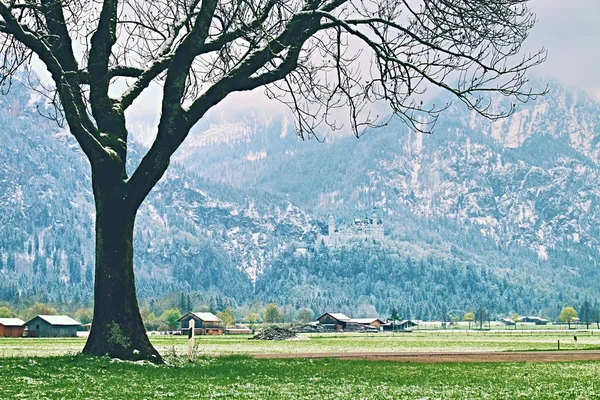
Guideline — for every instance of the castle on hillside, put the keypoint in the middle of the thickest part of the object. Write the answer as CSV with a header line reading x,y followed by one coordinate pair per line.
x,y
361,228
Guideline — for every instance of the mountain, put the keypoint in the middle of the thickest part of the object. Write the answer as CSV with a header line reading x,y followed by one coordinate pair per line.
x,y
190,233
500,215
518,194
531,179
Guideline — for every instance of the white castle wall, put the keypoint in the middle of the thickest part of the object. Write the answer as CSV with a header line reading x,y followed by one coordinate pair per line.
x,y
361,228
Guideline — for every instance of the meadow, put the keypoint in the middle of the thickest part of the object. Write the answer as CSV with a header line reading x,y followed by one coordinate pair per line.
x,y
223,368
242,377
426,341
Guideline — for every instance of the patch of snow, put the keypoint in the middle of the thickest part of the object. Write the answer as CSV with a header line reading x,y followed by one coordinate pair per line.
x,y
285,123
227,133
255,156
513,138
542,253
34,98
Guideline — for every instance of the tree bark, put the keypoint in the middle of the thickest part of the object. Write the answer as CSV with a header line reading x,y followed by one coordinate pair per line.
x,y
117,328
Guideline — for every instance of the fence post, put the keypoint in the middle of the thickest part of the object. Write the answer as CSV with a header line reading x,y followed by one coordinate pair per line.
x,y
191,334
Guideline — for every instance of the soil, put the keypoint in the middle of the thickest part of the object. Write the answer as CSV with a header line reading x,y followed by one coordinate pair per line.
x,y
440,357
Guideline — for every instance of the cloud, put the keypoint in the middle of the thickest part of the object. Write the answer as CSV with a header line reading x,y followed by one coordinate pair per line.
x,y
570,31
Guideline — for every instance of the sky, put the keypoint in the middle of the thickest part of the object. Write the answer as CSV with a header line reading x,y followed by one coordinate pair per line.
x,y
570,30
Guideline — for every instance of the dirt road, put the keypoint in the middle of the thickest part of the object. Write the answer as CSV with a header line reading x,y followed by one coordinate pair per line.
x,y
439,357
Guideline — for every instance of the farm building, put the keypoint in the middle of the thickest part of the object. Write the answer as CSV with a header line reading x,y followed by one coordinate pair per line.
x,y
368,322
11,327
52,326
334,321
535,320
404,325
205,323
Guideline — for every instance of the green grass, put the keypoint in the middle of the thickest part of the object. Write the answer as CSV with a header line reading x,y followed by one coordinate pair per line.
x,y
323,343
30,368
240,377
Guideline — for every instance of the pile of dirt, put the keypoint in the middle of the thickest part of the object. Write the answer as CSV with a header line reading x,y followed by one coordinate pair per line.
x,y
275,334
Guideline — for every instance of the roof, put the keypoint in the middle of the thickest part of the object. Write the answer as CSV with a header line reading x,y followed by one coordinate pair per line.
x,y
58,320
403,322
409,321
338,316
11,322
536,318
365,320
203,316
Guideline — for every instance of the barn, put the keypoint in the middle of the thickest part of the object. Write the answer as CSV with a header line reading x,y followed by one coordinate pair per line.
x,y
334,321
11,327
52,326
205,323
404,325
368,322
535,320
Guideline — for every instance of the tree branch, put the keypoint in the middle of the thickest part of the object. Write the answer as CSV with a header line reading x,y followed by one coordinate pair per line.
x,y
77,122
109,118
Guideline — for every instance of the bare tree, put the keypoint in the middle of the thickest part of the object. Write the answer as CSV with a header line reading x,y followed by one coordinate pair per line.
x,y
310,54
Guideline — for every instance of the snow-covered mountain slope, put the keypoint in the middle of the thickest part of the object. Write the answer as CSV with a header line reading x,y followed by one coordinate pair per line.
x,y
190,232
531,179
512,206
250,228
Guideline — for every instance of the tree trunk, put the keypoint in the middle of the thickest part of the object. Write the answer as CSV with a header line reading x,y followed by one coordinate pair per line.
x,y
117,327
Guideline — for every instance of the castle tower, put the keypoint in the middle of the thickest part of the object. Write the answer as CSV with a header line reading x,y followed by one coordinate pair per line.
x,y
376,225
374,217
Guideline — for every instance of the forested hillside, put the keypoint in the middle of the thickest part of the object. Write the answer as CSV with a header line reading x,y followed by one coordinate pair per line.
x,y
191,234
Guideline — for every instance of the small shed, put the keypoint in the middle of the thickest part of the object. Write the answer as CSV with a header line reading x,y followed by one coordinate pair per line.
x,y
205,323
11,327
336,321
52,326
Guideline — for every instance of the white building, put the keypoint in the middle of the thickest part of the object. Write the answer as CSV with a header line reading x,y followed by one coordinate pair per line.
x,y
361,228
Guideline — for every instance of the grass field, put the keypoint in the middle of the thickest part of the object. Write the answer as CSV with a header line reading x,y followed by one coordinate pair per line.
x,y
331,343
240,377
49,368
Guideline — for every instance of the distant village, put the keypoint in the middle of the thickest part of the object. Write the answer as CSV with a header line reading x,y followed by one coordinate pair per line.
x,y
207,323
